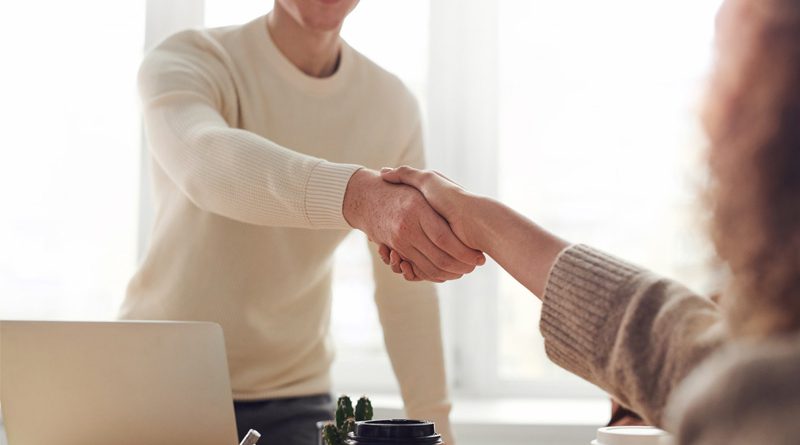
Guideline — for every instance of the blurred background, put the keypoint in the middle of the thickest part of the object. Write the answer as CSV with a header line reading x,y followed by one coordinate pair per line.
x,y
581,114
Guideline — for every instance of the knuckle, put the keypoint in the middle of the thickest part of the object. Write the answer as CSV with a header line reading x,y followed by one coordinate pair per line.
x,y
396,238
412,204
403,221
399,230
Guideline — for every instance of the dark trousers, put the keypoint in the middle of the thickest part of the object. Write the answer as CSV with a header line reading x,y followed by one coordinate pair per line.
x,y
289,421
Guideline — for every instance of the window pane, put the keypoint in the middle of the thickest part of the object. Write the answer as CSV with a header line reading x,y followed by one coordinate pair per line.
x,y
69,179
599,140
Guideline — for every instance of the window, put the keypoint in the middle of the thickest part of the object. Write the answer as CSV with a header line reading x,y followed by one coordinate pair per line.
x,y
71,147
581,114
599,141
595,138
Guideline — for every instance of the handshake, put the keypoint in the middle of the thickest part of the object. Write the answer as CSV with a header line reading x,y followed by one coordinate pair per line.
x,y
421,220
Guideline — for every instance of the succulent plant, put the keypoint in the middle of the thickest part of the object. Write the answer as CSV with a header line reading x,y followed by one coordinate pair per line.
x,y
344,409
348,427
346,418
363,409
331,436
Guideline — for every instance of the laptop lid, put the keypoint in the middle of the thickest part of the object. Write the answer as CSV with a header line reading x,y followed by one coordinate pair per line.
x,y
126,383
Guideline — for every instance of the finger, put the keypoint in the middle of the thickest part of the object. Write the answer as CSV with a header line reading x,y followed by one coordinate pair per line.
x,y
442,237
420,275
408,272
403,175
441,259
383,251
394,262
425,266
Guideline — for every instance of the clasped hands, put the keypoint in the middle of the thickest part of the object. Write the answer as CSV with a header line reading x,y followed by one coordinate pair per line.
x,y
418,219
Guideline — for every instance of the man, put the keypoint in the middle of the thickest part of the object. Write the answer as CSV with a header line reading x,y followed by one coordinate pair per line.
x,y
264,139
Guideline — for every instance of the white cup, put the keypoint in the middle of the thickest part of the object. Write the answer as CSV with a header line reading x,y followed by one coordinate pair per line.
x,y
631,435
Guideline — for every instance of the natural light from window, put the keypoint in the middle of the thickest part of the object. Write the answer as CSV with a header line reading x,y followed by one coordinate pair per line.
x,y
71,147
598,140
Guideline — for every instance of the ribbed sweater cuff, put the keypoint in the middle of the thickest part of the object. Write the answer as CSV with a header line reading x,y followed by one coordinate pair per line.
x,y
582,298
325,193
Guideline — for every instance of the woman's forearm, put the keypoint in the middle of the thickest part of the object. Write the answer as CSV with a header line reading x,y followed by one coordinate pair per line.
x,y
517,244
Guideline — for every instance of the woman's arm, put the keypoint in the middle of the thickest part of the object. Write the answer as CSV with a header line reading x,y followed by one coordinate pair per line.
x,y
629,331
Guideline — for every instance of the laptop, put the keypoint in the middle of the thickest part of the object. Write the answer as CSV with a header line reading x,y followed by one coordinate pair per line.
x,y
121,383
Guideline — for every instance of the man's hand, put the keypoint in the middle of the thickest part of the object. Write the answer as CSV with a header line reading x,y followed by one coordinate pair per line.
x,y
399,217
446,197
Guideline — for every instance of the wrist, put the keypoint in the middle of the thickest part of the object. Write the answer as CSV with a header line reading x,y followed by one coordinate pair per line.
x,y
478,213
356,196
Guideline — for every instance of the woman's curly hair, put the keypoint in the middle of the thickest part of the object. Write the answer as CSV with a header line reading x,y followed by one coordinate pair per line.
x,y
752,117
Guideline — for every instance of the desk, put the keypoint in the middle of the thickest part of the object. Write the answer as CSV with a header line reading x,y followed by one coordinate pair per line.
x,y
516,421
478,422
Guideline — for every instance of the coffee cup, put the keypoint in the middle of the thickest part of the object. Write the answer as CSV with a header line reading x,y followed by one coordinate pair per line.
x,y
631,435
394,432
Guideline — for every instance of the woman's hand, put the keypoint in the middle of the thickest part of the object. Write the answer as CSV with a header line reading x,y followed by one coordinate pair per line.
x,y
446,197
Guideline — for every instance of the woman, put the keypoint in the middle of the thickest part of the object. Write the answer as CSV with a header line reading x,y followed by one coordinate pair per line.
x,y
640,336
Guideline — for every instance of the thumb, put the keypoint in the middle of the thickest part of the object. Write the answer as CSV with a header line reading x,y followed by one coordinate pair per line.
x,y
390,175
402,175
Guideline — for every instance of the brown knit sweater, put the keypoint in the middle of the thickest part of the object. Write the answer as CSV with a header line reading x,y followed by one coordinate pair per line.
x,y
665,352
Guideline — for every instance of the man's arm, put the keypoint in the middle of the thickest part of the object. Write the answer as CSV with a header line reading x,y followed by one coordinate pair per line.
x,y
186,91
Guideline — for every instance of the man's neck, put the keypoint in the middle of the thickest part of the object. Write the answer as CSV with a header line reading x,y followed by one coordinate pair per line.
x,y
314,53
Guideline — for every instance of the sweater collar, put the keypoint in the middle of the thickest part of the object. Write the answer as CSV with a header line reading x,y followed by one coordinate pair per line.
x,y
258,32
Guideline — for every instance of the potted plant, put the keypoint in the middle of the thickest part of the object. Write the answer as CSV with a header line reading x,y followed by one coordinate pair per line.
x,y
356,427
346,418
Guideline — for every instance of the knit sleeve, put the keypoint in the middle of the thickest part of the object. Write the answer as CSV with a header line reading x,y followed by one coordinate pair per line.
x,y
634,334
186,92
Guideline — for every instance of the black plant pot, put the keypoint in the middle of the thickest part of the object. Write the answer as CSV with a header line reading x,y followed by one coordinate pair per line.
x,y
394,432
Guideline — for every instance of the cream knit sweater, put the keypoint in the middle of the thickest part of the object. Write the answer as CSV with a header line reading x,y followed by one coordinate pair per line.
x,y
251,159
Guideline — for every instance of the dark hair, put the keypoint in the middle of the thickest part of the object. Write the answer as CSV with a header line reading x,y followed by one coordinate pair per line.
x,y
752,118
